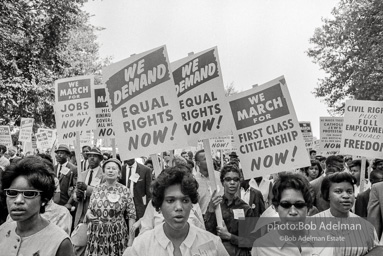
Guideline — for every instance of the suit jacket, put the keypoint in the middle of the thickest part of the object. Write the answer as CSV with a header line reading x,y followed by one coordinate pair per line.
x,y
67,182
375,207
361,203
141,188
82,164
82,206
319,202
256,202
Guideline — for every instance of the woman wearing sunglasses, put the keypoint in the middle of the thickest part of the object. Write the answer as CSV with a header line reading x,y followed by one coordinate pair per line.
x,y
29,186
232,209
359,235
292,200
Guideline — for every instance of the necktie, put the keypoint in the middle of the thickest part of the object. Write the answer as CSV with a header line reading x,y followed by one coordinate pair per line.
x,y
84,165
90,177
59,172
130,172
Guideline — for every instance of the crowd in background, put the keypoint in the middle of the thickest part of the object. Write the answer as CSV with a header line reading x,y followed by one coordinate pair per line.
x,y
127,209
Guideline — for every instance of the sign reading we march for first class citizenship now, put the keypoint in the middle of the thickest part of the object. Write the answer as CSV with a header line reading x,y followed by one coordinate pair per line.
x,y
145,110
267,131
74,106
201,94
363,129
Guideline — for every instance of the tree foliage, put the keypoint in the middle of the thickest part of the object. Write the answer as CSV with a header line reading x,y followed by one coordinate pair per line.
x,y
41,41
230,89
349,48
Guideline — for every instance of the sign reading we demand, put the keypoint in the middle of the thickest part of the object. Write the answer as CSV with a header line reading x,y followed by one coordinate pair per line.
x,y
267,131
74,106
363,129
142,97
201,94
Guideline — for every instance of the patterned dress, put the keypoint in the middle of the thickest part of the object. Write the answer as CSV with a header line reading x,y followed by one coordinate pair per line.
x,y
112,205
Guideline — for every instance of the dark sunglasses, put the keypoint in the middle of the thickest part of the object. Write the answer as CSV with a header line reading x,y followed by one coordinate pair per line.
x,y
228,179
29,194
287,205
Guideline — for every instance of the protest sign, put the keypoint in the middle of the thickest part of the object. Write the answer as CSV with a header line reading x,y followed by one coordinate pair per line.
x,y
74,106
267,131
330,135
5,136
42,140
103,116
220,143
307,134
145,110
51,134
201,95
26,125
363,129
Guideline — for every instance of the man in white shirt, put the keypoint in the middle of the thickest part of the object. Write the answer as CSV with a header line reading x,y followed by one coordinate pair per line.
x,y
84,162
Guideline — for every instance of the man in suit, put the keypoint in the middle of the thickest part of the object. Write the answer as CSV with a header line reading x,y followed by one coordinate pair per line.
x,y
333,164
375,204
137,178
93,177
85,162
364,197
84,189
66,173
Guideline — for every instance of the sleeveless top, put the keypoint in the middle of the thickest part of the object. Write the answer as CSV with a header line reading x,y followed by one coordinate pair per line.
x,y
43,243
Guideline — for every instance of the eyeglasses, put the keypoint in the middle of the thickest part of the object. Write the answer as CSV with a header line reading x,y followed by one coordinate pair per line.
x,y
228,179
287,205
29,194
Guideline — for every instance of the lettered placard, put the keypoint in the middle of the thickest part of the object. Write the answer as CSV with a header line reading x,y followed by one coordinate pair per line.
x,y
103,114
26,129
5,136
363,129
267,131
330,135
307,134
145,110
201,94
74,106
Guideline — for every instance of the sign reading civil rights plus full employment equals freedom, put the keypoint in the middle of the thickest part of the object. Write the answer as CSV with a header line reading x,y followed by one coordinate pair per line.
x,y
201,94
267,131
74,106
142,97
363,129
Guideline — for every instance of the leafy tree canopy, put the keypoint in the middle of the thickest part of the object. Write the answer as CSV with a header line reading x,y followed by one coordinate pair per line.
x,y
41,41
349,48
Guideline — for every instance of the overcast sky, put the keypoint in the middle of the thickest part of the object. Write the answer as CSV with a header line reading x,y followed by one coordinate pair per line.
x,y
257,40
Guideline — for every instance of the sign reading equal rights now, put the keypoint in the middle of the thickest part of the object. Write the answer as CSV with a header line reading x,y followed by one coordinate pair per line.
x,y
267,131
142,97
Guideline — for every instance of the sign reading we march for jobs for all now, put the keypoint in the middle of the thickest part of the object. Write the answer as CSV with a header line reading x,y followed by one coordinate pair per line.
x,y
74,106
267,131
363,129
142,97
201,95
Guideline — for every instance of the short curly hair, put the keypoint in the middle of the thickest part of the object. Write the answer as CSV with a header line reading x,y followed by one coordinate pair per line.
x,y
36,171
229,168
292,181
177,175
337,177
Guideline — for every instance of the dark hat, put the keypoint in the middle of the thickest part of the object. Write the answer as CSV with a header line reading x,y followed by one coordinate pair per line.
x,y
377,160
114,160
94,151
233,154
63,147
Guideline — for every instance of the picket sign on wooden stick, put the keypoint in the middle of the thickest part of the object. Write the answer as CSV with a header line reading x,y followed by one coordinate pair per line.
x,y
171,158
210,168
156,165
77,149
222,158
114,147
362,175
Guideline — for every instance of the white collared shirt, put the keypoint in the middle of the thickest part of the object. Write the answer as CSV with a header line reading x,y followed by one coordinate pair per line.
x,y
197,242
95,181
134,168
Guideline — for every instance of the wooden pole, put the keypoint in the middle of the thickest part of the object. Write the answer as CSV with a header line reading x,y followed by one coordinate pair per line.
x,y
210,168
114,147
77,148
362,175
156,165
